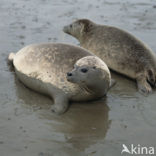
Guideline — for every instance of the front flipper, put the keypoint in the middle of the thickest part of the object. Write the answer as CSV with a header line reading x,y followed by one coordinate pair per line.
x,y
61,100
60,105
143,86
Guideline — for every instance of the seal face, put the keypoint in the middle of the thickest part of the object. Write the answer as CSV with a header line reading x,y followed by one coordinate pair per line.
x,y
92,74
48,68
120,50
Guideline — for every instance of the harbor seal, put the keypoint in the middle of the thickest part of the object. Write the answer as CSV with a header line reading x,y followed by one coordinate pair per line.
x,y
64,72
120,50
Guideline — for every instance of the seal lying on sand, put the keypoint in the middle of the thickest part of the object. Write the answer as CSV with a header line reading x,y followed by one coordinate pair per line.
x,y
120,50
48,68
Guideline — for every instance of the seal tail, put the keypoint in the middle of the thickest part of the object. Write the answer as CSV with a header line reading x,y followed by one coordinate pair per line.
x,y
11,57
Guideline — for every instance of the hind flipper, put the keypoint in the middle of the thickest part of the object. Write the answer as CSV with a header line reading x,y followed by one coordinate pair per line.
x,y
11,57
143,86
151,77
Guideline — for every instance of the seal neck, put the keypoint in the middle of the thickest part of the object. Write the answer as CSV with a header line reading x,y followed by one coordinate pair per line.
x,y
98,90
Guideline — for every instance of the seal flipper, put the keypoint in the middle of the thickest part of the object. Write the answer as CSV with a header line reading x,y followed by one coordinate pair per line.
x,y
61,101
151,77
143,86
60,105
11,57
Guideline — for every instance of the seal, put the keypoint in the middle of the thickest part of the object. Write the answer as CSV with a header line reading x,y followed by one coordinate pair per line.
x,y
120,50
64,72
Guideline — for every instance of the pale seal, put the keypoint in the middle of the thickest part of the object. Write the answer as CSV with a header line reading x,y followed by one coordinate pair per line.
x,y
64,72
120,50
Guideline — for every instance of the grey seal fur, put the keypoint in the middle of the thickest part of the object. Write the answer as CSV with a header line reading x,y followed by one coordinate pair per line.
x,y
64,72
120,50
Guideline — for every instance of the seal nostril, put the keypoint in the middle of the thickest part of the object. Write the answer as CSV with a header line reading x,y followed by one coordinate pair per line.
x,y
69,74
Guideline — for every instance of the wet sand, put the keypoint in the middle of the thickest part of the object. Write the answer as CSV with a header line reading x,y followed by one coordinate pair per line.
x,y
98,128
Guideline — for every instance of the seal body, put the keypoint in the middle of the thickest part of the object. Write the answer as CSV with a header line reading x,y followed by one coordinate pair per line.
x,y
120,50
44,68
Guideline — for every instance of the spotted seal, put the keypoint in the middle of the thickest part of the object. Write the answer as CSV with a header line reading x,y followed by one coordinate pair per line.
x,y
121,51
64,72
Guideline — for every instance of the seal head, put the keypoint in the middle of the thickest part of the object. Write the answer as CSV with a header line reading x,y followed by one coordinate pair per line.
x,y
92,74
79,28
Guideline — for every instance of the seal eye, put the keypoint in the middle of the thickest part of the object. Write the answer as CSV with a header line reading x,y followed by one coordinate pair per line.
x,y
84,70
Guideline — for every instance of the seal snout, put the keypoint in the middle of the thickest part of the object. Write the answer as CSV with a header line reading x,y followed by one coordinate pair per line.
x,y
66,29
69,74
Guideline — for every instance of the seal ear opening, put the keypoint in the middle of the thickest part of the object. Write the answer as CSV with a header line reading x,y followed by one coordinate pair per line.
x,y
86,25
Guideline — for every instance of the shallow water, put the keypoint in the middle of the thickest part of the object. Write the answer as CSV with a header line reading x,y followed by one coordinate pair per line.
x,y
99,128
